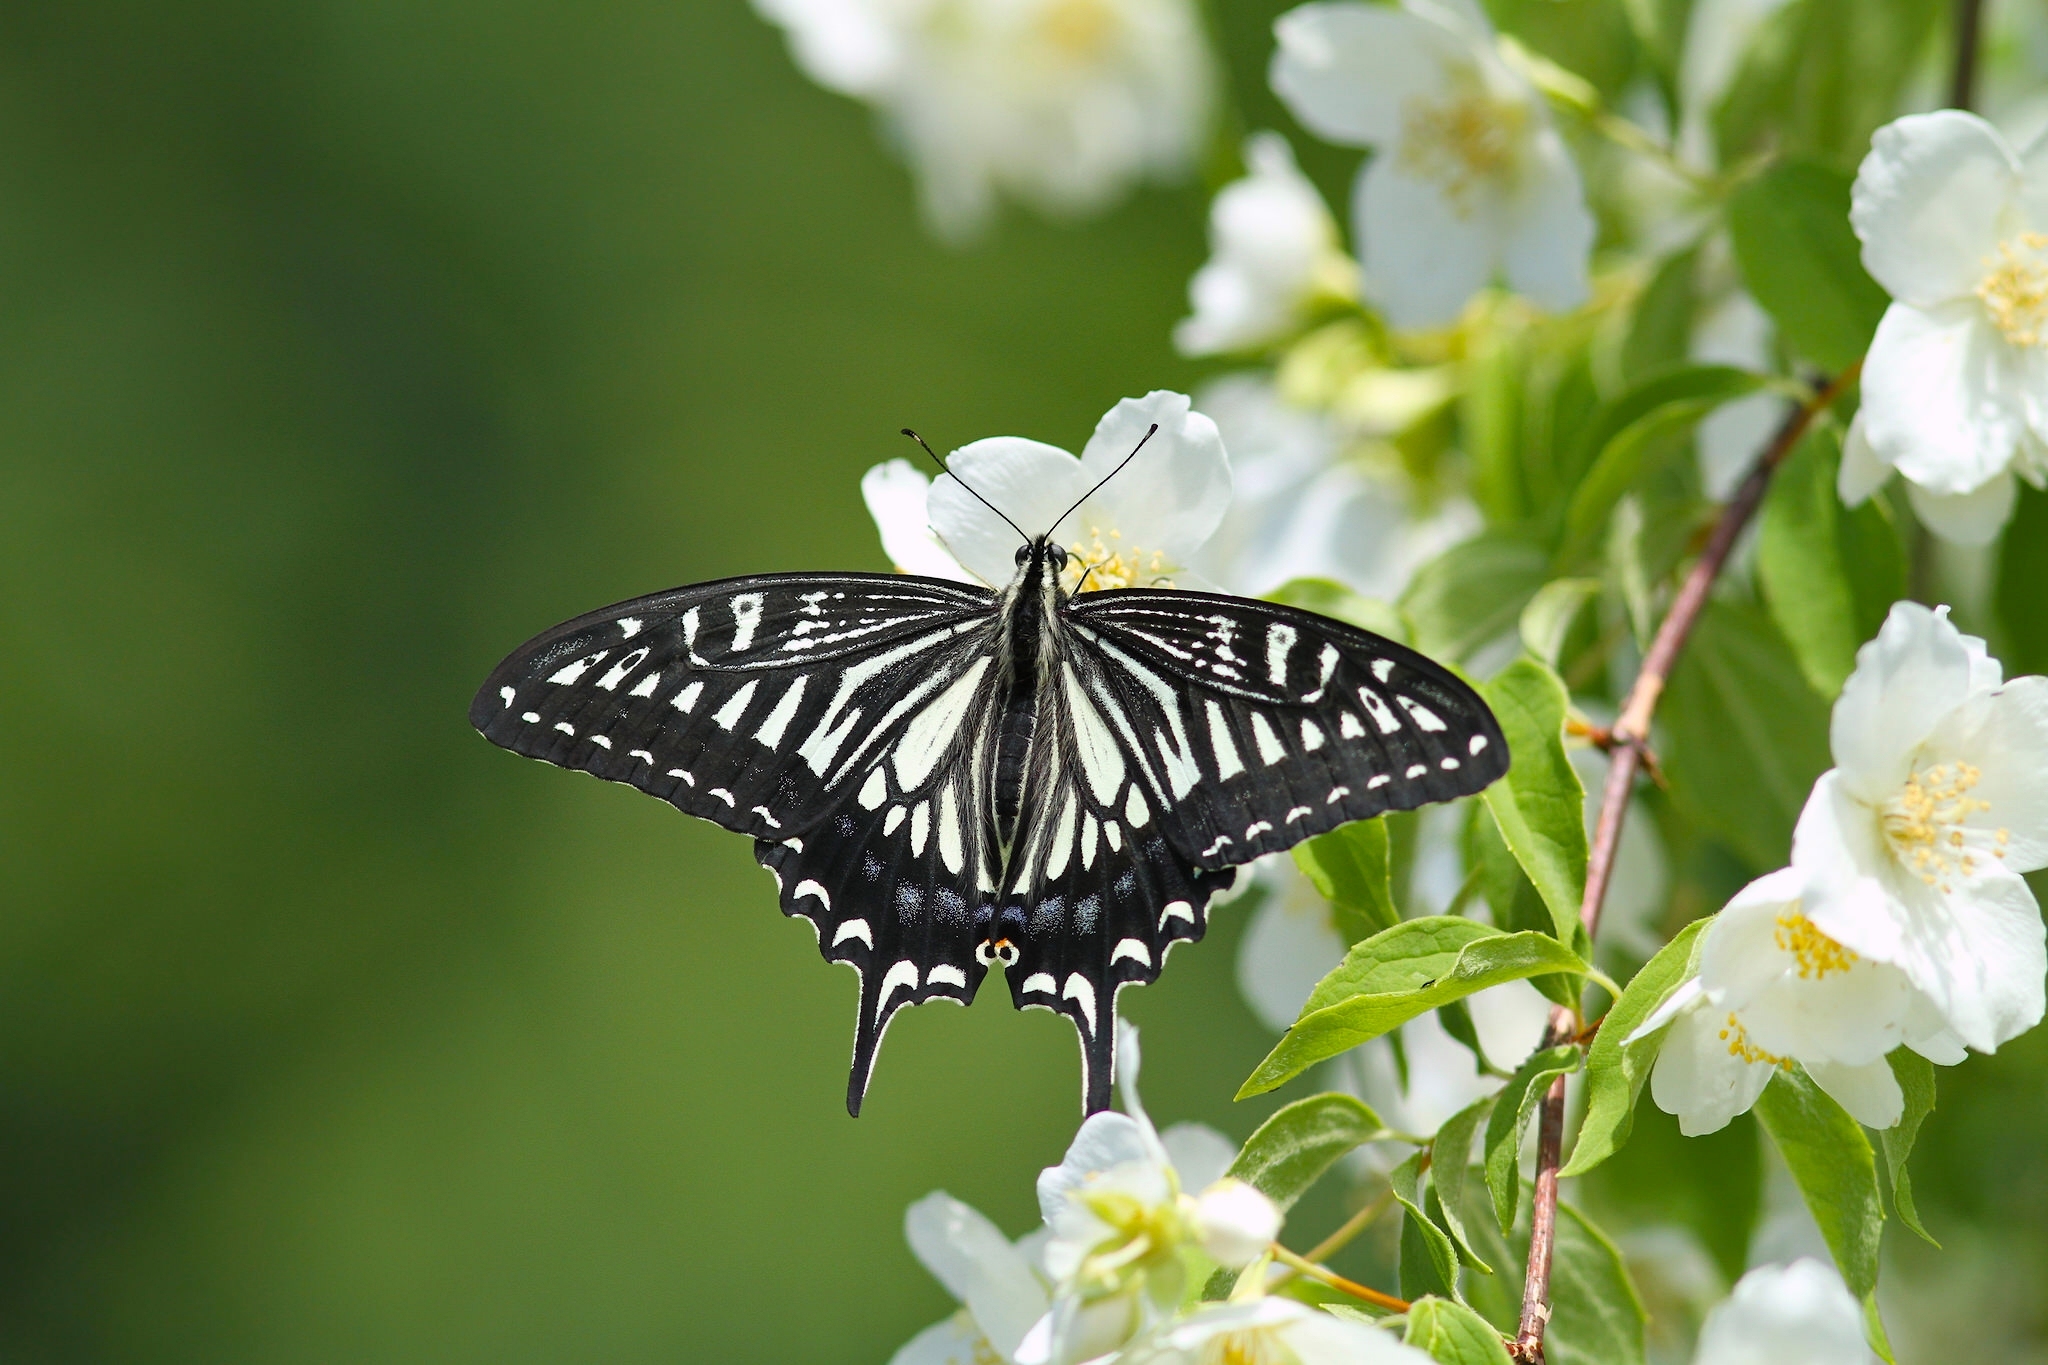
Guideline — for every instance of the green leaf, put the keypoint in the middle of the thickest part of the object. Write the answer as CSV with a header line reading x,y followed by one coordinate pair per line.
x,y
1711,1185
1916,1078
1660,325
1744,735
1490,420
1616,1068
1513,899
1429,1265
1541,806
1596,1317
1398,974
1634,433
1472,593
1836,1171
1453,1334
1450,1167
1292,1149
1823,566
1351,866
1512,1108
1802,262
2022,569
1328,597
1547,620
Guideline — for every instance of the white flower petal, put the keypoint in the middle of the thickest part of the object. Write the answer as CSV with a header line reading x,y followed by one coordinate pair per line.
x,y
1173,495
1915,672
956,1341
1270,235
1551,234
1943,396
1930,202
1739,955
1928,1034
1869,1092
843,47
1424,255
2004,735
1799,1314
970,1256
1235,1223
1105,1141
1699,1080
1198,1153
895,493
1271,1329
1345,69
1689,994
1030,481
1861,473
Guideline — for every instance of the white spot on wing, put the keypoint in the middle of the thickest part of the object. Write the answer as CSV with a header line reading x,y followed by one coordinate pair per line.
x,y
933,728
645,687
507,694
1176,910
643,755
630,625
950,847
1449,764
1339,793
1256,828
1280,638
1271,750
1039,983
894,818
565,727
1296,814
1081,991
603,743
875,790
569,673
1378,780
616,674
1327,661
1426,718
1382,714
1135,809
1311,736
1416,770
724,795
946,974
1089,829
902,974
778,719
823,742
1061,846
1478,743
1100,758
1114,833
807,887
1349,726
1134,949
1228,764
1212,849
920,828
530,716
854,928
767,817
746,619
686,700
1383,669
687,779
728,715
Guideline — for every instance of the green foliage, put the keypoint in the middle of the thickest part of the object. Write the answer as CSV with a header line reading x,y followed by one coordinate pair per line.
x,y
1512,1109
1711,1185
1547,621
1617,1068
1453,1334
1331,598
1429,1264
1632,435
1352,866
1294,1148
1398,974
1660,27
2022,569
1802,262
1829,573
1451,1169
1473,593
1831,1160
1916,1080
1744,734
1540,806
1596,1316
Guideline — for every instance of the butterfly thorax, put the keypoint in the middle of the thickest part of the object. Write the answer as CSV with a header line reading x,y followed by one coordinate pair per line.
x,y
1025,646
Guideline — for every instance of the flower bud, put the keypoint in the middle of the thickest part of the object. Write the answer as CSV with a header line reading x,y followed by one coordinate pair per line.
x,y
1234,1223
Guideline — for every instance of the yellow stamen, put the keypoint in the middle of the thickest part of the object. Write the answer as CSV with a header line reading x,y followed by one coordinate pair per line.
x,y
1105,565
1253,1347
2015,289
1817,954
1460,142
1925,822
1739,1045
1078,28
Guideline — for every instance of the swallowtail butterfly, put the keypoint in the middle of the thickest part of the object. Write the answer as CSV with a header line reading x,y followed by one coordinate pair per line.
x,y
943,778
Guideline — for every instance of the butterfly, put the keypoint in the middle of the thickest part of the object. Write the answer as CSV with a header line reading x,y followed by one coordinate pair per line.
x,y
944,778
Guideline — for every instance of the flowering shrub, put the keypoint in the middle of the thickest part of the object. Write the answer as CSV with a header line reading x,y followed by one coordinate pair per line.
x,y
1600,403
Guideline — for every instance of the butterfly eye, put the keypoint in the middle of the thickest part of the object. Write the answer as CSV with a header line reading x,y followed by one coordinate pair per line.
x,y
1023,553
1059,558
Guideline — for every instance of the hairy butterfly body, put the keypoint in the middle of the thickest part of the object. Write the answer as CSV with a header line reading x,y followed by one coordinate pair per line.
x,y
943,779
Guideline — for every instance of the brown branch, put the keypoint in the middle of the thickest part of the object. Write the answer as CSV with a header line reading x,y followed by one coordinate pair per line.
x,y
1962,88
1629,742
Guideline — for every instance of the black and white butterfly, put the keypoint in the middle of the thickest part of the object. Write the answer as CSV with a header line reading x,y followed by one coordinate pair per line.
x,y
942,778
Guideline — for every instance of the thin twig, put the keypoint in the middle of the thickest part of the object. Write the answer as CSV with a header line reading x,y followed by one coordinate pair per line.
x,y
1962,88
1365,1293
1630,735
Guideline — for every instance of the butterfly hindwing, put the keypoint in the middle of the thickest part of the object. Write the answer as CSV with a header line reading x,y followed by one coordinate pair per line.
x,y
1257,725
747,702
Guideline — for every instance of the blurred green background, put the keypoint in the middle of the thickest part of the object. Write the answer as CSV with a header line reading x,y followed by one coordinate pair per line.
x,y
344,346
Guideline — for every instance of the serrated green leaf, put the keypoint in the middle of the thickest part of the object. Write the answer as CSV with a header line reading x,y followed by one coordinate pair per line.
x,y
1512,1108
1473,593
1916,1079
1453,1334
1540,806
1596,1317
1351,866
1396,975
1617,1068
1835,1169
1292,1149
1744,734
1633,433
1450,1166
1547,620
1429,1264
1328,597
1802,262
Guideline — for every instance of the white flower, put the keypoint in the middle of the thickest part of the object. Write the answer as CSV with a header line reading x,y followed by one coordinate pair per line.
x,y
1270,1331
1912,846
1060,103
1955,388
1120,1223
1774,989
1797,1314
1001,1295
1469,180
1300,509
1143,528
1273,248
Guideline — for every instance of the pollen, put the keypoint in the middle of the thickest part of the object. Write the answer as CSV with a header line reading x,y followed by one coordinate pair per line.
x,y
1078,29
1816,953
1739,1045
2015,289
1925,823
1460,142
1102,561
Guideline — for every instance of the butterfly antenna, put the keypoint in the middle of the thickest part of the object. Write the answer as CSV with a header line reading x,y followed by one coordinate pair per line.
x,y
1150,432
944,470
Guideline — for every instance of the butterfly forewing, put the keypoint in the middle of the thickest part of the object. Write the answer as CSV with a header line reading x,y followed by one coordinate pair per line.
x,y
1257,725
